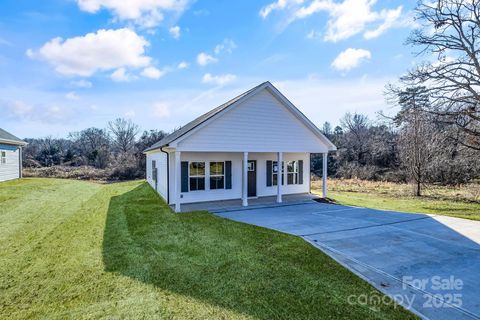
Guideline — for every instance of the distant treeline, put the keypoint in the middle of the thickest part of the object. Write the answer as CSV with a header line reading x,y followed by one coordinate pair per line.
x,y
401,149
114,153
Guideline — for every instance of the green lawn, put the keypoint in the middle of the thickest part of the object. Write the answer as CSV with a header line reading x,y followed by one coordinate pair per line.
x,y
461,202
460,209
73,249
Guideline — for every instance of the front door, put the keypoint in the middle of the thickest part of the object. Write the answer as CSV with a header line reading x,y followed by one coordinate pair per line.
x,y
252,178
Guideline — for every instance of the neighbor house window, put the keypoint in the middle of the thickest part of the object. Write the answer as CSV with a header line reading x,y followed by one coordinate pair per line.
x,y
197,176
217,175
3,157
292,172
275,173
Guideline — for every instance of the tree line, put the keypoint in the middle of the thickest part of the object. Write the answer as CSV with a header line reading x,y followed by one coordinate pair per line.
x,y
116,150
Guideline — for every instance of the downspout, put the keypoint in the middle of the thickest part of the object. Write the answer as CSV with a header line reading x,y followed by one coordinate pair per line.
x,y
168,174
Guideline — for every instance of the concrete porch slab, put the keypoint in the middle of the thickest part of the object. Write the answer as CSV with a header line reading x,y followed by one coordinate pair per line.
x,y
253,203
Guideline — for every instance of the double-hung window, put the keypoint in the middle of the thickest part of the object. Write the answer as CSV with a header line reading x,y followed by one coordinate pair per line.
x,y
275,173
197,176
292,172
3,157
217,175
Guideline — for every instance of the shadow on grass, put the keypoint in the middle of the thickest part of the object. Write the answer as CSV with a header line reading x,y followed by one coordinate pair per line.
x,y
249,270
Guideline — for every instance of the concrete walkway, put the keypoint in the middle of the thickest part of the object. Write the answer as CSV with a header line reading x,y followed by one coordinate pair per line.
x,y
429,264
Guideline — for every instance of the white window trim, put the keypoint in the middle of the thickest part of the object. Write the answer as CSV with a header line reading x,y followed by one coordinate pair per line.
x,y
198,176
276,173
216,175
3,157
295,172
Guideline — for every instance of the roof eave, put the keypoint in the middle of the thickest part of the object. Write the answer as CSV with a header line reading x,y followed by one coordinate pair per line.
x,y
14,142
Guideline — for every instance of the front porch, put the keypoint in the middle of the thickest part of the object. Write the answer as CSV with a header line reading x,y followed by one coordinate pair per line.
x,y
253,203
228,180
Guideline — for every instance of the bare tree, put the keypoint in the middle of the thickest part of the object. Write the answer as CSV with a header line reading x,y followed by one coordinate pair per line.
x,y
124,133
450,30
416,141
94,146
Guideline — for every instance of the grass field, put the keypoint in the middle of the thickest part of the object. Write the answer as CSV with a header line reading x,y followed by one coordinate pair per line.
x,y
461,202
82,250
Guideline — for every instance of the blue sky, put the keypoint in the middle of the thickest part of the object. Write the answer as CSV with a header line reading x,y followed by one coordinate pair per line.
x,y
72,64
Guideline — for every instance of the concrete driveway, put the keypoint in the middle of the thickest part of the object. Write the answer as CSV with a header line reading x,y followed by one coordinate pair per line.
x,y
429,264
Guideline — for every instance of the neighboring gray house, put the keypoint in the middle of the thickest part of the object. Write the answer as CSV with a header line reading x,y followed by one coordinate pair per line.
x,y
234,152
10,156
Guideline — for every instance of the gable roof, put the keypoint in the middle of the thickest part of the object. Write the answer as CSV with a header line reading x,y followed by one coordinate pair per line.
x,y
7,137
229,104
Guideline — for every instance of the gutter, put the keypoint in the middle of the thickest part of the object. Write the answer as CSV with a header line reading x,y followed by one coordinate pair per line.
x,y
168,174
13,142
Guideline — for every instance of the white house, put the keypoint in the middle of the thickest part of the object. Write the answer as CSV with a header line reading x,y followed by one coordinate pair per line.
x,y
10,156
232,152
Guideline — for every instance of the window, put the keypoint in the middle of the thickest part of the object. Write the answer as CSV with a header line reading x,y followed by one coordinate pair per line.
x,y
292,172
217,175
275,173
154,169
3,157
197,176
251,165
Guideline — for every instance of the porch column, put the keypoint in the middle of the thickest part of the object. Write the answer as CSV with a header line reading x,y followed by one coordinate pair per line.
x,y
177,181
245,180
324,174
285,176
279,178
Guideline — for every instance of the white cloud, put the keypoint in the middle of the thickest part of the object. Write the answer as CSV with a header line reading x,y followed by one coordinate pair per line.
x,y
227,46
350,59
219,80
277,5
46,113
152,72
121,75
161,110
345,19
102,50
203,59
390,18
145,13
183,65
72,96
175,32
82,83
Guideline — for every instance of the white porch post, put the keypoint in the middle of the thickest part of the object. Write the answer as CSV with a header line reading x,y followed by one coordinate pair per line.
x,y
324,174
279,178
177,181
245,180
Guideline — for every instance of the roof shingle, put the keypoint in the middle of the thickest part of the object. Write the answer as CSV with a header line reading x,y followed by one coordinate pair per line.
x,y
7,137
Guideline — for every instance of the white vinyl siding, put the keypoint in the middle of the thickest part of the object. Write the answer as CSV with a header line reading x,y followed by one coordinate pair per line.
x,y
259,124
10,163
160,159
236,191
